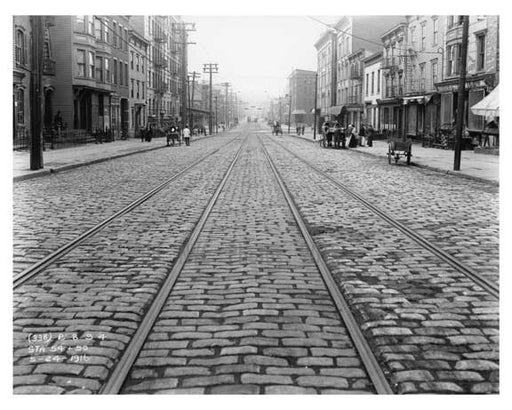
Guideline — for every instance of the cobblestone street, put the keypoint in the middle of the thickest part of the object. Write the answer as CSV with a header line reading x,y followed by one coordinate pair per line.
x,y
249,311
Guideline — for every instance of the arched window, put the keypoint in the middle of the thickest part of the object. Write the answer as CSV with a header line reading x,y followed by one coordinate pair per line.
x,y
21,51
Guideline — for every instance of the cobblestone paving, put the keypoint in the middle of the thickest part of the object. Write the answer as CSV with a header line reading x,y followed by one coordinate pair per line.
x,y
92,300
249,313
458,215
432,329
50,211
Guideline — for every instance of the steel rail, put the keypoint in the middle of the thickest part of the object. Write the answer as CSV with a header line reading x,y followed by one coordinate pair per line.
x,y
123,367
369,360
486,284
36,268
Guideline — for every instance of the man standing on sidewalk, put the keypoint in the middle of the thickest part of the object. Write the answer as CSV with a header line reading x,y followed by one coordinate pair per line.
x,y
186,135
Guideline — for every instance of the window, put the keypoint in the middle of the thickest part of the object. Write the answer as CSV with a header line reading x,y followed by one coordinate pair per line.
x,y
80,63
90,25
378,81
452,65
422,76
373,82
99,69
21,51
138,89
91,65
137,62
107,70
131,88
423,35
80,24
20,106
114,64
435,30
121,73
97,28
126,73
143,88
142,64
367,83
131,60
125,42
480,50
433,64
449,21
114,34
120,37
106,35
413,37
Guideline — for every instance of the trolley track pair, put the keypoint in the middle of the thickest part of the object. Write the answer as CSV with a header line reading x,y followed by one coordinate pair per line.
x,y
32,271
489,286
118,377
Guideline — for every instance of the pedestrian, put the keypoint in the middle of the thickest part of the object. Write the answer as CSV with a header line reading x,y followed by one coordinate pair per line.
x,y
186,135
362,135
303,128
369,133
58,123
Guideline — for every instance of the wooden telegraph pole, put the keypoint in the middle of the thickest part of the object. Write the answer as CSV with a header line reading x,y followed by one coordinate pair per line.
x,y
36,106
461,94
211,68
314,117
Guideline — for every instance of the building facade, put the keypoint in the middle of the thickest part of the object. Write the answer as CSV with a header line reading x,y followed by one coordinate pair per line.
x,y
101,73
301,86
482,72
340,52
21,80
372,78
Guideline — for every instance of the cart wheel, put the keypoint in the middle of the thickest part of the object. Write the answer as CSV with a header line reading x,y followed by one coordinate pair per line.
x,y
389,154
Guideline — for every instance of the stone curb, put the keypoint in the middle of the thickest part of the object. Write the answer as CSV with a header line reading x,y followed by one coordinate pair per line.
x,y
55,170
431,168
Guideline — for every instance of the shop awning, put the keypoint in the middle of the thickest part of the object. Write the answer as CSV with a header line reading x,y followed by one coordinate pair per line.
x,y
418,99
335,109
489,106
295,112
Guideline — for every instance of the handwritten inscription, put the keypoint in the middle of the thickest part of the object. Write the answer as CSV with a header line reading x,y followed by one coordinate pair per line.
x,y
61,347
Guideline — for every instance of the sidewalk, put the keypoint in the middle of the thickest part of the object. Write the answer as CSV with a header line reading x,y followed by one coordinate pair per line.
x,y
480,167
67,158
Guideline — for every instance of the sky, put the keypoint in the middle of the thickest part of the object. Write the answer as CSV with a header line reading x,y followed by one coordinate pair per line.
x,y
255,54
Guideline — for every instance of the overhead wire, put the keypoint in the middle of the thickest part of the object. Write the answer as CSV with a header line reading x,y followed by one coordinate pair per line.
x,y
333,27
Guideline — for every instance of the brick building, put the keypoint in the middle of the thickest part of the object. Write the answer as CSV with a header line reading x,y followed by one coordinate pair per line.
x,y
301,86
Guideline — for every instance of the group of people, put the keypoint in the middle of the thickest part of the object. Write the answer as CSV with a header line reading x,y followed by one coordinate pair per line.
x,y
173,134
348,137
300,129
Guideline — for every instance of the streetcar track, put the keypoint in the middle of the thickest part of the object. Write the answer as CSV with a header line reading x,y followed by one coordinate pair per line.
x,y
486,284
130,354
368,358
32,271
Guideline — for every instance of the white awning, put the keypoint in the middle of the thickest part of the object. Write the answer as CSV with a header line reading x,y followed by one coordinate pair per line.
x,y
419,99
489,106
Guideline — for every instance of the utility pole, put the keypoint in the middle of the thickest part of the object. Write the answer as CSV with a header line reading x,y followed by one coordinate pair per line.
x,y
216,121
36,146
191,96
183,28
290,113
226,107
461,93
211,68
316,96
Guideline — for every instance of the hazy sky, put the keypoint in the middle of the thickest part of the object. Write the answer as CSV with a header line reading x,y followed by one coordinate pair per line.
x,y
255,54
